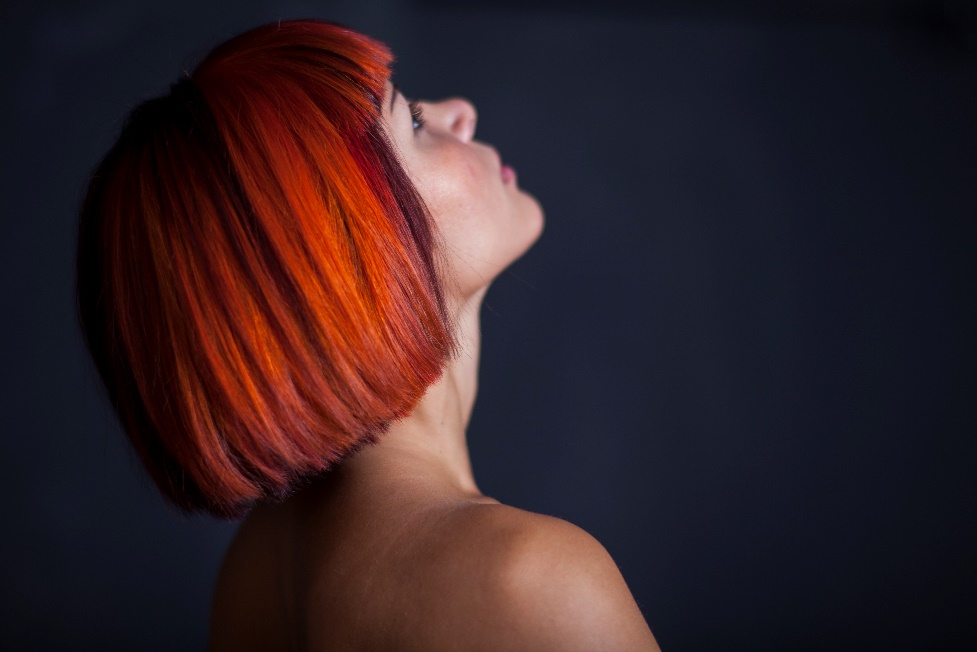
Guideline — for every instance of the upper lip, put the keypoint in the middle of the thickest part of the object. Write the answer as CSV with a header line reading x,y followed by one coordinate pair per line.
x,y
498,157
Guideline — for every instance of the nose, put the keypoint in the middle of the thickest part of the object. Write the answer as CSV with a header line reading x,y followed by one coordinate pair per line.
x,y
458,116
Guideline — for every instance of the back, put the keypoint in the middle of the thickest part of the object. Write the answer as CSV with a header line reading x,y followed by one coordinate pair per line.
x,y
446,574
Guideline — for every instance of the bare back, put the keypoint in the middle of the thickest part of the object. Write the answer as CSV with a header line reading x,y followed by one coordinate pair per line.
x,y
325,571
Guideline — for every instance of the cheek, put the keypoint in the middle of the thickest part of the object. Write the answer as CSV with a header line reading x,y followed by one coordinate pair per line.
x,y
463,196
466,208
462,183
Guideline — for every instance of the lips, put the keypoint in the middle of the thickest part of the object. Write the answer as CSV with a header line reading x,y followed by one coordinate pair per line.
x,y
508,174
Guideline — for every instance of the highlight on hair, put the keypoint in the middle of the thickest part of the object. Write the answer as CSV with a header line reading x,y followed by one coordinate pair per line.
x,y
256,279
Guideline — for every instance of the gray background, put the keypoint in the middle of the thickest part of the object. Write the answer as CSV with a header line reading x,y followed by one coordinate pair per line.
x,y
742,354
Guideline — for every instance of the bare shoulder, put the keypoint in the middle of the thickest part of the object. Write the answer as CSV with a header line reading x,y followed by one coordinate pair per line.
x,y
240,616
542,583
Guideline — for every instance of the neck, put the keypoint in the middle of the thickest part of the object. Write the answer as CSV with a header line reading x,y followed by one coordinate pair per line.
x,y
430,447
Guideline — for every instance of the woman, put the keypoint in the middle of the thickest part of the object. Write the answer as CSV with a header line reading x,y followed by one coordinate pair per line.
x,y
280,271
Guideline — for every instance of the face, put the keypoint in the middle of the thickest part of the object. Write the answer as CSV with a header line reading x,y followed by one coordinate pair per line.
x,y
485,221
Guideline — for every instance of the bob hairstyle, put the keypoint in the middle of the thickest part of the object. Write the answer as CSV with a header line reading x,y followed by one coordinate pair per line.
x,y
256,275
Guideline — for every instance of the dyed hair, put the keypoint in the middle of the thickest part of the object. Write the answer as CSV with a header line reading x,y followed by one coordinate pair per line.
x,y
256,276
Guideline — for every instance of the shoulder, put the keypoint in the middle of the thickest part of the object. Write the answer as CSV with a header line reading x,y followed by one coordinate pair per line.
x,y
242,615
540,583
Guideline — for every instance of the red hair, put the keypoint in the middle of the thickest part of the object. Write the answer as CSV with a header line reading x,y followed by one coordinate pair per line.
x,y
256,277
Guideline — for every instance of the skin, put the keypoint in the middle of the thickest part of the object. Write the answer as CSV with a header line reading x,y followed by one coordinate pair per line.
x,y
397,549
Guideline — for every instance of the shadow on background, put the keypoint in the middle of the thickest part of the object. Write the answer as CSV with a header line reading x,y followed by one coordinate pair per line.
x,y
742,354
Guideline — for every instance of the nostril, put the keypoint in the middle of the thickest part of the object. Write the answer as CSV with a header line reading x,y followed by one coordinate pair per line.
x,y
466,129
466,119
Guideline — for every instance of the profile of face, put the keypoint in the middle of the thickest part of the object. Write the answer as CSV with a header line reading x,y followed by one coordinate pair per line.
x,y
485,221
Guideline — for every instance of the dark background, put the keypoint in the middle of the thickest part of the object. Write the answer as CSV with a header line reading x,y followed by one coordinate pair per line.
x,y
742,355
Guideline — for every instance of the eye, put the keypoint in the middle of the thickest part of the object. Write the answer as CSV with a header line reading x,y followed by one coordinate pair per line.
x,y
417,116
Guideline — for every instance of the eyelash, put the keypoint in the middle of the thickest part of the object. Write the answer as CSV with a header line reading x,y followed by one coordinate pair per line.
x,y
416,115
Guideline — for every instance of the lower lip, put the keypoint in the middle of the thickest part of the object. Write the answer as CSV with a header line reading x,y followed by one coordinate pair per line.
x,y
508,174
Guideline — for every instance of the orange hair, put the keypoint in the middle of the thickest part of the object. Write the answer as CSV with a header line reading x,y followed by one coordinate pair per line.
x,y
256,278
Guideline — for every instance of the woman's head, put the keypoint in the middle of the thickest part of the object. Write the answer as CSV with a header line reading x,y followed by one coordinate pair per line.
x,y
257,275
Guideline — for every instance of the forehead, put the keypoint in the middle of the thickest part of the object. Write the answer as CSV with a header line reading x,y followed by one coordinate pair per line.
x,y
389,95
388,107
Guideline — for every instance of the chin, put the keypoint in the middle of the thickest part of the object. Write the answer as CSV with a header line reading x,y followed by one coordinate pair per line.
x,y
534,220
